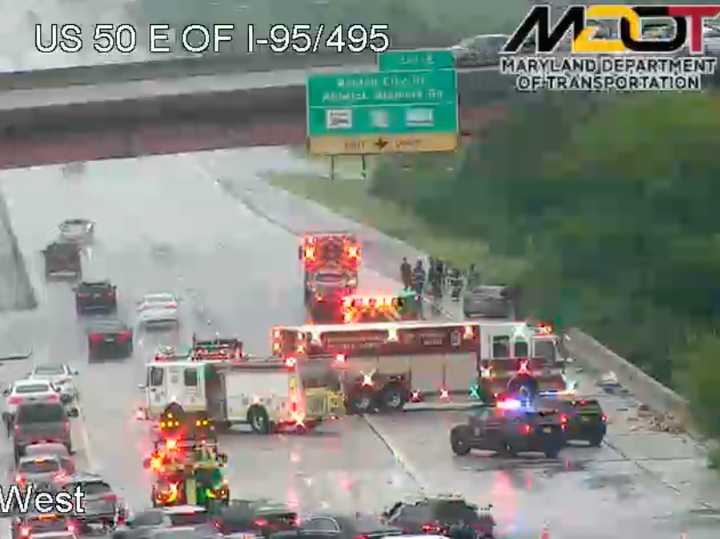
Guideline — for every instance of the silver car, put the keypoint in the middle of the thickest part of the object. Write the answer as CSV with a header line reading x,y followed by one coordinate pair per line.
x,y
59,375
487,301
158,310
482,50
77,230
43,472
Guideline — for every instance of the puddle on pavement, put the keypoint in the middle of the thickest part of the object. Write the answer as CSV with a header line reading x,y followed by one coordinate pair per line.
x,y
622,484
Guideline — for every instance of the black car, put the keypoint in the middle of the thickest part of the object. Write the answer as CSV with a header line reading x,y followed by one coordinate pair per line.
x,y
109,338
141,525
41,422
582,419
449,516
62,259
100,504
334,526
95,297
261,517
511,427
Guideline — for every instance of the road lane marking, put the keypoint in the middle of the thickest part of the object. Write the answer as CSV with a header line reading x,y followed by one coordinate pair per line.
x,y
89,455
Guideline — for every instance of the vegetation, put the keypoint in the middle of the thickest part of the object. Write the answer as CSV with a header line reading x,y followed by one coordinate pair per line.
x,y
411,21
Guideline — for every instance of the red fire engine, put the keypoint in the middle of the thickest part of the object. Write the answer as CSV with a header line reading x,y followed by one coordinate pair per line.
x,y
331,261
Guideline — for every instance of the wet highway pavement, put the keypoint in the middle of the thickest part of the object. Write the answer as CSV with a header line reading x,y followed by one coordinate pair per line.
x,y
165,223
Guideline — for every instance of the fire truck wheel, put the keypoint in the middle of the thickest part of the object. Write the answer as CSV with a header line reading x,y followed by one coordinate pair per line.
x,y
360,401
259,420
393,398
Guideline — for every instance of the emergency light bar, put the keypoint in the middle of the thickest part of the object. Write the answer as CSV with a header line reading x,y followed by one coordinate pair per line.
x,y
509,404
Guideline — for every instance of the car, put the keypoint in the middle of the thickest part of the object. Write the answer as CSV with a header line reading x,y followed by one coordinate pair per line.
x,y
77,230
488,301
583,419
27,391
41,422
62,259
337,526
509,427
158,311
34,525
482,50
95,296
442,515
187,515
60,375
43,471
185,532
100,504
55,449
141,525
255,517
109,338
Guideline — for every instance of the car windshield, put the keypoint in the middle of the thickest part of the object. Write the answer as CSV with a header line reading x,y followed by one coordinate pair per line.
x,y
40,413
93,488
453,511
147,518
49,370
159,298
47,523
32,388
39,466
328,278
46,449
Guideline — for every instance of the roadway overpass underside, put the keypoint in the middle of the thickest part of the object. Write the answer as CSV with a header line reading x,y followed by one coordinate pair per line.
x,y
90,122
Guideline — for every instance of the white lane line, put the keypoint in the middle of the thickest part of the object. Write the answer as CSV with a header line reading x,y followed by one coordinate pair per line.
x,y
89,455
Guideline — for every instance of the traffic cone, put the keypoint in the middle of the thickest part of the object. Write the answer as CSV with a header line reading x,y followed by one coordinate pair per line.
x,y
545,534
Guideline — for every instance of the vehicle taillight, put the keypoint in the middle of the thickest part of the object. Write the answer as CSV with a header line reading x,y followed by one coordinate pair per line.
x,y
124,336
563,419
19,479
110,498
15,400
25,531
53,397
340,358
17,429
432,527
260,522
67,426
95,338
110,294
83,295
604,418
71,528
525,429
361,537
60,476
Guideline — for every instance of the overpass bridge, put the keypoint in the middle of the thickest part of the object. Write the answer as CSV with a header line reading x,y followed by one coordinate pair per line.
x,y
115,111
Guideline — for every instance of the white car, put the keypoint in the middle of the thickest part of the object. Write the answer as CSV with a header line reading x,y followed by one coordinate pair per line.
x,y
60,376
159,309
27,391
77,230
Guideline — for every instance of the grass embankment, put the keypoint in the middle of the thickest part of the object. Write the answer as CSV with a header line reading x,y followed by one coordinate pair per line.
x,y
611,204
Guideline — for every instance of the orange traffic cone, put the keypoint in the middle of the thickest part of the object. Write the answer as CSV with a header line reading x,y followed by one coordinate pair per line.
x,y
545,534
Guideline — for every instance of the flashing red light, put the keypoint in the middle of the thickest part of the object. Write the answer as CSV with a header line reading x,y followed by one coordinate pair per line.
x,y
290,362
415,396
563,419
525,429
340,358
25,531
353,251
19,479
444,394
368,380
171,444
523,368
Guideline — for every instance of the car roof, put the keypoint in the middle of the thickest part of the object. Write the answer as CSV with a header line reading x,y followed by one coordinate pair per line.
x,y
30,382
39,450
86,477
76,221
107,323
158,295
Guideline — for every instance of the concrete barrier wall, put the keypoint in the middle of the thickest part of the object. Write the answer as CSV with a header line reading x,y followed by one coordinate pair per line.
x,y
646,389
16,292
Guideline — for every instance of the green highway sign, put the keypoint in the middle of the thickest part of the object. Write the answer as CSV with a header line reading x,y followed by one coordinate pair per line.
x,y
416,60
404,111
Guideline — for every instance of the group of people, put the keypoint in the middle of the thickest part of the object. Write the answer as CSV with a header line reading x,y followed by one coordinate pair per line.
x,y
437,276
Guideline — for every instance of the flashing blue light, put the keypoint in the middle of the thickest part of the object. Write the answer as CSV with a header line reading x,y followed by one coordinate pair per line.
x,y
510,404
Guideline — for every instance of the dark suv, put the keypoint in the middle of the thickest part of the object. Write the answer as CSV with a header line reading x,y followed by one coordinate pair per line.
x,y
510,430
41,422
97,296
583,419
62,259
450,516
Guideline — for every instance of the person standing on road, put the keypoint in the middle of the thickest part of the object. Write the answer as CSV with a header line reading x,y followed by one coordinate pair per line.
x,y
419,278
406,273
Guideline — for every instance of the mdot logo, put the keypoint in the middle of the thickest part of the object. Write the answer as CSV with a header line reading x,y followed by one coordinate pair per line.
x,y
630,58
630,19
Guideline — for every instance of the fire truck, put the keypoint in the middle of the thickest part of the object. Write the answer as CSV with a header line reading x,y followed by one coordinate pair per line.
x,y
404,306
266,393
385,365
330,261
187,472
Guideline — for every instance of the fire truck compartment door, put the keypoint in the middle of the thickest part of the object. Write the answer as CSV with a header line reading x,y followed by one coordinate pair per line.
x,y
267,388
